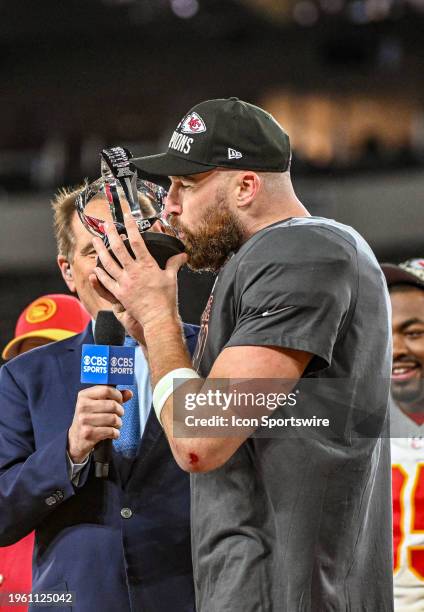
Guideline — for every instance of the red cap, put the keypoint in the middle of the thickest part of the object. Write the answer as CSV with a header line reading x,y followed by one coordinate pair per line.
x,y
54,316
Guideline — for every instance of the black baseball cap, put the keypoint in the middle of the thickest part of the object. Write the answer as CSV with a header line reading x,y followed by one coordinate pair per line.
x,y
410,272
227,133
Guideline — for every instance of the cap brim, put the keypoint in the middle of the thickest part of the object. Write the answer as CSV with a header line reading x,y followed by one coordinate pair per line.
x,y
395,275
11,349
166,164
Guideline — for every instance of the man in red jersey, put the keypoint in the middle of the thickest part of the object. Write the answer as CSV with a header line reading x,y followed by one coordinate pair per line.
x,y
406,286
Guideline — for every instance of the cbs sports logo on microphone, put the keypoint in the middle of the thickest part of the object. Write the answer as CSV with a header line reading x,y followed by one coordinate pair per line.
x,y
107,365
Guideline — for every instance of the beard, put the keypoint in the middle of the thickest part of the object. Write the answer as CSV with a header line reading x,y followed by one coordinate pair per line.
x,y
219,234
409,394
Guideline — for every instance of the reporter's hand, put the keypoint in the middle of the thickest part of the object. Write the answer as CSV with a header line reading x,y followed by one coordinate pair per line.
x,y
132,326
146,292
97,417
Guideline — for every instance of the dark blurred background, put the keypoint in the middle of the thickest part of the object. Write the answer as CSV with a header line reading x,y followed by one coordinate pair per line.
x,y
344,77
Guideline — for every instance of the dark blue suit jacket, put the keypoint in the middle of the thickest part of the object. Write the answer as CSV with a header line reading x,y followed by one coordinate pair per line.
x,y
118,544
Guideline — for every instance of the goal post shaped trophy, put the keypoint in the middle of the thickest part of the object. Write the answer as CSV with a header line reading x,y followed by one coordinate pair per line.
x,y
146,201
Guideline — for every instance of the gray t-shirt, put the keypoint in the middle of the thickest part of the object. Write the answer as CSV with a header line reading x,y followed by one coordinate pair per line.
x,y
302,522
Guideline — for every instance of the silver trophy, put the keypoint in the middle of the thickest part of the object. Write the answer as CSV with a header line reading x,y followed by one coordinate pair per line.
x,y
146,200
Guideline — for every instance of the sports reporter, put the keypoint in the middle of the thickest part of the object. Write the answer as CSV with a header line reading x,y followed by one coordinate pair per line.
x,y
119,544
295,522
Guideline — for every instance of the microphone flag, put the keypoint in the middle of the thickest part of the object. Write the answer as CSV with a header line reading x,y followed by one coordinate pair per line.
x,y
107,365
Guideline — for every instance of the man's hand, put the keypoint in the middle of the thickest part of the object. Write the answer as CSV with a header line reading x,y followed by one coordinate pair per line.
x,y
131,325
147,293
97,417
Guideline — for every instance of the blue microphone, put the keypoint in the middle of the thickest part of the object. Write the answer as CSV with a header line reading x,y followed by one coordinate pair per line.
x,y
107,362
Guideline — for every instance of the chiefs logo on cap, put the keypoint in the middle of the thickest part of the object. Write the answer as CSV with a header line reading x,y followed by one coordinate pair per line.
x,y
193,124
41,310
415,267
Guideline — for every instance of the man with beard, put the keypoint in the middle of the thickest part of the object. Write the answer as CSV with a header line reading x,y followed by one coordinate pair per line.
x,y
288,520
406,286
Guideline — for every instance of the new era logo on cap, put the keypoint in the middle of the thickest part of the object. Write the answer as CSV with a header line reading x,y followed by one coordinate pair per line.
x,y
233,154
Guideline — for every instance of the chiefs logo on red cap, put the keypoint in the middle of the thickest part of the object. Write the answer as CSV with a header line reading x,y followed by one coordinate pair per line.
x,y
41,310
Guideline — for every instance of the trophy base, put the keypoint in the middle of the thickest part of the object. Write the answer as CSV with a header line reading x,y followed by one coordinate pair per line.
x,y
160,246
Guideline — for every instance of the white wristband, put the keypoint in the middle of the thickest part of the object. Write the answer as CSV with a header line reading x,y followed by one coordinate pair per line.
x,y
166,386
